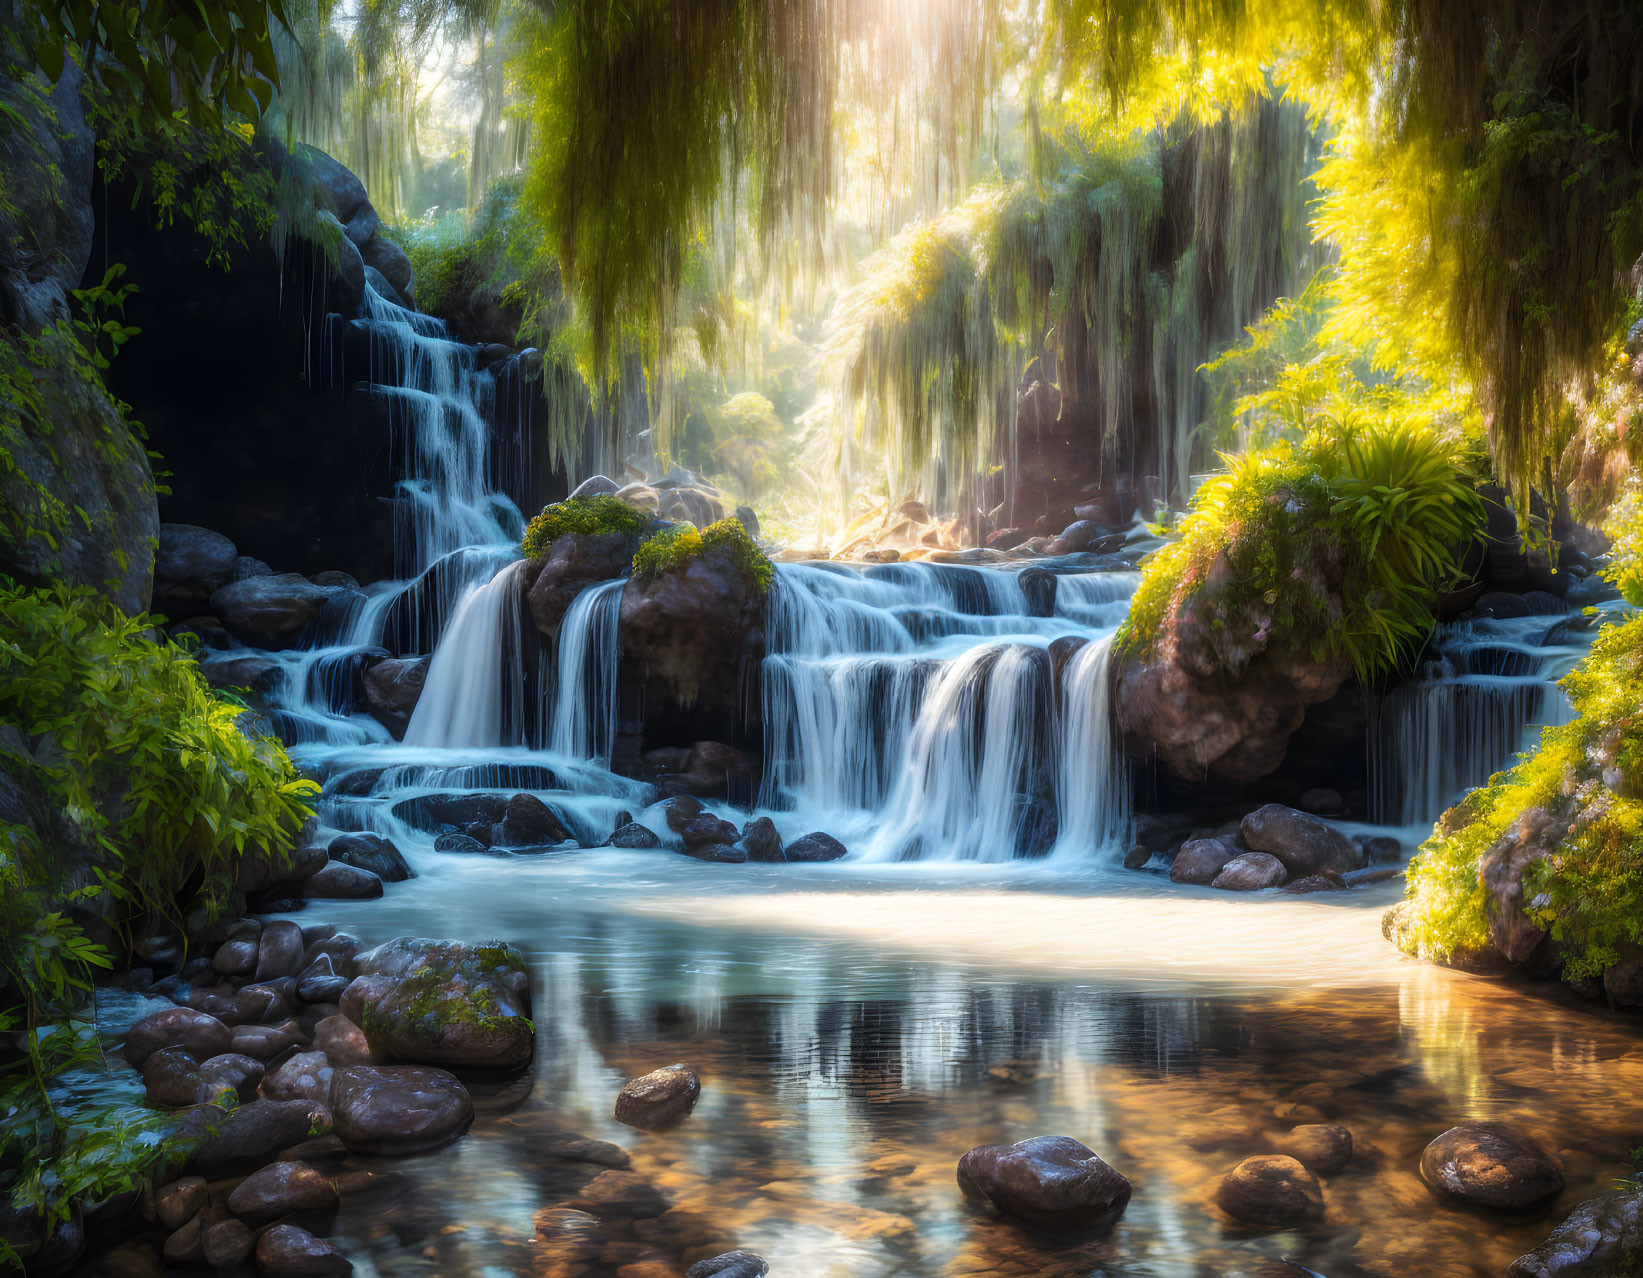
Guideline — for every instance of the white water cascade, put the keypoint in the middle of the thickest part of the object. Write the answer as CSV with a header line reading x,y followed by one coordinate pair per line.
x,y
475,667
584,721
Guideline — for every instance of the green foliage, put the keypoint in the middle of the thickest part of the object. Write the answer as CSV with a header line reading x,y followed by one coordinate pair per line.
x,y
1625,530
673,548
602,514
1337,547
1586,775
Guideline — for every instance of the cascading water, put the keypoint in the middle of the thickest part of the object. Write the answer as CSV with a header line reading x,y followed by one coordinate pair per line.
x,y
469,678
584,722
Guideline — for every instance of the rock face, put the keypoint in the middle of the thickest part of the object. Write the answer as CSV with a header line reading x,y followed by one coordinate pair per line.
x,y
444,1003
574,562
398,1109
1492,1165
658,1099
1053,1182
1303,843
1534,836
1271,1189
1251,872
1602,1238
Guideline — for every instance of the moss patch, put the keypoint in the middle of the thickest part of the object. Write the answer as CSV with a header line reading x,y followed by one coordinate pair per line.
x,y
673,549
603,514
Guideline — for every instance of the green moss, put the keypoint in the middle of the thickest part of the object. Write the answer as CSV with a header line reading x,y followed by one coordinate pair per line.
x,y
602,514
673,548
1587,773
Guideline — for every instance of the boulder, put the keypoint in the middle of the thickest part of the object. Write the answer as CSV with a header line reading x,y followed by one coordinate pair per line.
x,y
1315,883
259,675
379,284
680,811
1075,536
281,1189
1271,1189
1251,872
252,1134
338,881
371,852
285,1251
1200,861
720,853
658,1099
178,1202
279,950
451,841
436,812
226,1244
1532,837
393,686
1321,801
384,255
264,1042
708,828
528,822
1052,1182
621,1195
444,1003
762,842
816,846
1303,843
1623,979
271,612
239,1073
190,565
398,1109
343,1042
324,980
1322,1148
595,486
336,188
732,1264
199,1035
1601,1238
171,1078
305,1076
235,958
574,562
1492,1165
1382,849
634,835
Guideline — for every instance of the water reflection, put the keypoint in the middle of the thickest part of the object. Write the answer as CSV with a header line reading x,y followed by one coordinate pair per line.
x,y
841,1082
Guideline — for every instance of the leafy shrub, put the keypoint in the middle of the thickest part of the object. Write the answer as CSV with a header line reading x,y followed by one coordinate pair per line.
x,y
1625,529
673,548
602,514
1587,773
1338,546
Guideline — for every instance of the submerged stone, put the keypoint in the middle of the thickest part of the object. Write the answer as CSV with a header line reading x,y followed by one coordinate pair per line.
x,y
398,1109
1492,1165
1271,1189
1053,1182
658,1099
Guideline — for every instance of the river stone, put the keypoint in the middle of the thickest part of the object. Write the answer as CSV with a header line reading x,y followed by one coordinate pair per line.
x,y
281,1189
1200,860
286,1251
271,612
762,842
185,1245
707,829
322,982
528,822
1602,1238
1492,1165
253,1133
1053,1182
190,564
722,853
338,881
680,811
171,1077
342,1041
305,1076
266,1002
1322,1148
226,1244
398,1109
199,1035
239,1073
621,1195
815,846
658,1099
1271,1189
235,958
444,1003
452,841
264,1042
179,1202
1303,843
1382,849
279,952
1251,872
435,812
733,1264
1315,883
634,835
371,852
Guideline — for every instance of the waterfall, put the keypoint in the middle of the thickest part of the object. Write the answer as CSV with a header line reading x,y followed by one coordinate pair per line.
x,y
584,722
1093,797
474,668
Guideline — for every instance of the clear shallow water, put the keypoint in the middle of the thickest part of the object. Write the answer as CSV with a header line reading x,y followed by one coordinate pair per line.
x,y
857,1029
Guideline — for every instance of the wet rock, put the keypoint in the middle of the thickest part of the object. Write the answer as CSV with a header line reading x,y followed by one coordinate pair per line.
x,y
444,1003
241,1074
264,1042
398,1109
267,1002
762,842
1601,1238
732,1264
190,564
322,982
708,828
271,612
171,1077
235,958
1053,1182
286,1251
1323,802
574,562
370,852
281,1189
570,1148
451,841
1076,536
566,1240
306,1076
1623,979
342,1041
434,812
621,1195
199,1035
528,822
279,951
658,1099
816,846
226,1244
1492,1165
1531,838
393,686
634,835
252,1134
680,811
1382,849
1316,883
1303,843
1271,1189
177,1203
710,769
1200,860
338,881
1322,1148
184,1246
595,486
1137,857
722,853
1251,872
